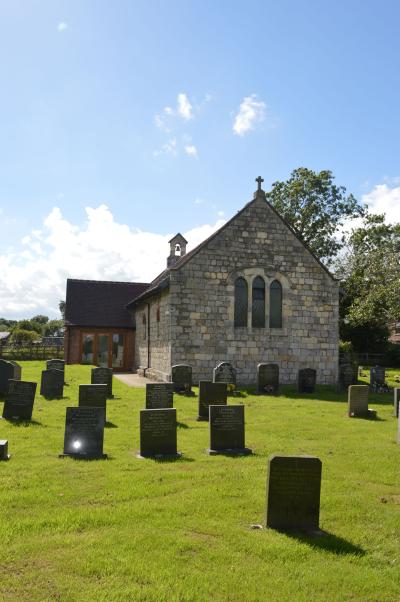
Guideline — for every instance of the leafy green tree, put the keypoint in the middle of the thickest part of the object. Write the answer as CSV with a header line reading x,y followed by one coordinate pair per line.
x,y
20,335
40,319
30,325
53,328
315,208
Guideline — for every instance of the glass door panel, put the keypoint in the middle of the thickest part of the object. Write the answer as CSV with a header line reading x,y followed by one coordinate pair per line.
x,y
87,348
102,350
117,350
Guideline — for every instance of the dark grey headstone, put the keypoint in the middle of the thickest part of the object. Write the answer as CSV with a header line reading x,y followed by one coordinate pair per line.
x,y
17,370
158,432
306,380
4,455
396,401
224,372
346,376
103,376
52,384
19,400
227,429
398,429
55,364
159,395
84,433
181,376
6,373
268,379
377,376
210,394
293,493
358,400
93,396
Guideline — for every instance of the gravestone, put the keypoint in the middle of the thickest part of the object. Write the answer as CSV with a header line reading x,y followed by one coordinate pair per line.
x,y
377,376
227,430
358,400
52,384
84,433
306,380
210,394
268,379
293,493
181,376
346,376
158,432
224,372
17,370
103,376
4,455
93,396
6,373
398,429
159,395
396,401
55,365
19,400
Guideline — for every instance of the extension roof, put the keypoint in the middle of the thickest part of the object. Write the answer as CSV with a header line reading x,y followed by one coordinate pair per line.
x,y
161,282
100,303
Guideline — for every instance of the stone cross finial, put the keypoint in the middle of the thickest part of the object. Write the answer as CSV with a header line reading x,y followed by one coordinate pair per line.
x,y
259,181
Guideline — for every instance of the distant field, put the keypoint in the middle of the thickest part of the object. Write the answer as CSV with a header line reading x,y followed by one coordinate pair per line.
x,y
125,529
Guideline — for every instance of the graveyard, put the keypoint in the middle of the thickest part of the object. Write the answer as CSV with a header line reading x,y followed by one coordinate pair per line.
x,y
193,526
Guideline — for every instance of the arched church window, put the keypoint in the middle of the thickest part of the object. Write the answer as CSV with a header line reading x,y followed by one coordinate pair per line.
x,y
258,303
240,302
275,304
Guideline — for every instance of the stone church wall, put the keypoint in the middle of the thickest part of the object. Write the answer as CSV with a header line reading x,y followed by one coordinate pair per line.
x,y
256,243
153,350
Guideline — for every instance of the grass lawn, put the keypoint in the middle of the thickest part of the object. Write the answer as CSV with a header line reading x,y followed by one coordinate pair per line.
x,y
127,529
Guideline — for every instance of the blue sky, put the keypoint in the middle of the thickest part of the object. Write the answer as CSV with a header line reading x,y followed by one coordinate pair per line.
x,y
165,112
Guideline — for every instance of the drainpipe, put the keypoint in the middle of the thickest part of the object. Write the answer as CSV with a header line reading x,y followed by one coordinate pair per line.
x,y
148,338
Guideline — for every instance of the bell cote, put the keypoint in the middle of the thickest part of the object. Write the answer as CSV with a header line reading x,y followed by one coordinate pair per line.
x,y
177,249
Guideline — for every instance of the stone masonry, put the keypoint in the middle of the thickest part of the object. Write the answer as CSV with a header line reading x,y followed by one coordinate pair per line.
x,y
192,320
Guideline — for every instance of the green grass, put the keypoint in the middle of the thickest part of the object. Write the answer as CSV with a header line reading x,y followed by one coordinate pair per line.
x,y
126,529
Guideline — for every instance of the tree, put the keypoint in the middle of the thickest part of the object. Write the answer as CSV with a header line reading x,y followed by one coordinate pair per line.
x,y
315,208
40,319
61,307
20,335
370,275
30,325
53,328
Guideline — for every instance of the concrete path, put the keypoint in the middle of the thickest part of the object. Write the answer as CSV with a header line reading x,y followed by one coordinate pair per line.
x,y
133,380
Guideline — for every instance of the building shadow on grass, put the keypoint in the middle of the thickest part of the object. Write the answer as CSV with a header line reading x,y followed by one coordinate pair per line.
x,y
182,425
111,425
323,540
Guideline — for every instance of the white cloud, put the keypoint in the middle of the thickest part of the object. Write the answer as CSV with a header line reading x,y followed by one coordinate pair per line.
x,y
169,148
34,278
62,26
185,109
384,199
251,111
199,201
191,150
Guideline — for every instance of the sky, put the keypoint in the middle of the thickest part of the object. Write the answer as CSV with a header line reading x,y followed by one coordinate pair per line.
x,y
125,122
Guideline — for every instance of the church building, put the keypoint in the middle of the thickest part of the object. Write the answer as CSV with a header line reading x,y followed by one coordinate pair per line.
x,y
251,293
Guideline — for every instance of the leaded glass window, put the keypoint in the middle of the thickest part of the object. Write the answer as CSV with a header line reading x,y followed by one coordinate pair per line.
x,y
275,304
258,303
240,302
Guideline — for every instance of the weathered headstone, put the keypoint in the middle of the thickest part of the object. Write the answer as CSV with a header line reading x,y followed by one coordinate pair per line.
x,y
55,364
224,372
293,493
159,395
346,376
306,380
396,401
210,394
398,429
93,396
181,376
52,384
4,455
19,400
84,433
227,430
103,376
158,432
6,373
358,400
377,376
268,379
17,370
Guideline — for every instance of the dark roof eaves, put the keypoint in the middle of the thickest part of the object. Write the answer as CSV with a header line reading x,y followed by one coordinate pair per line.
x,y
164,284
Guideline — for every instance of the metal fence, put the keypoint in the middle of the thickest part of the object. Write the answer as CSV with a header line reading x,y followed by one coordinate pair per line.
x,y
31,351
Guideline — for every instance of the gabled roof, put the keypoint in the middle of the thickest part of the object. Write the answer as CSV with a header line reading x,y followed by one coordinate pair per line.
x,y
4,335
100,303
162,280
